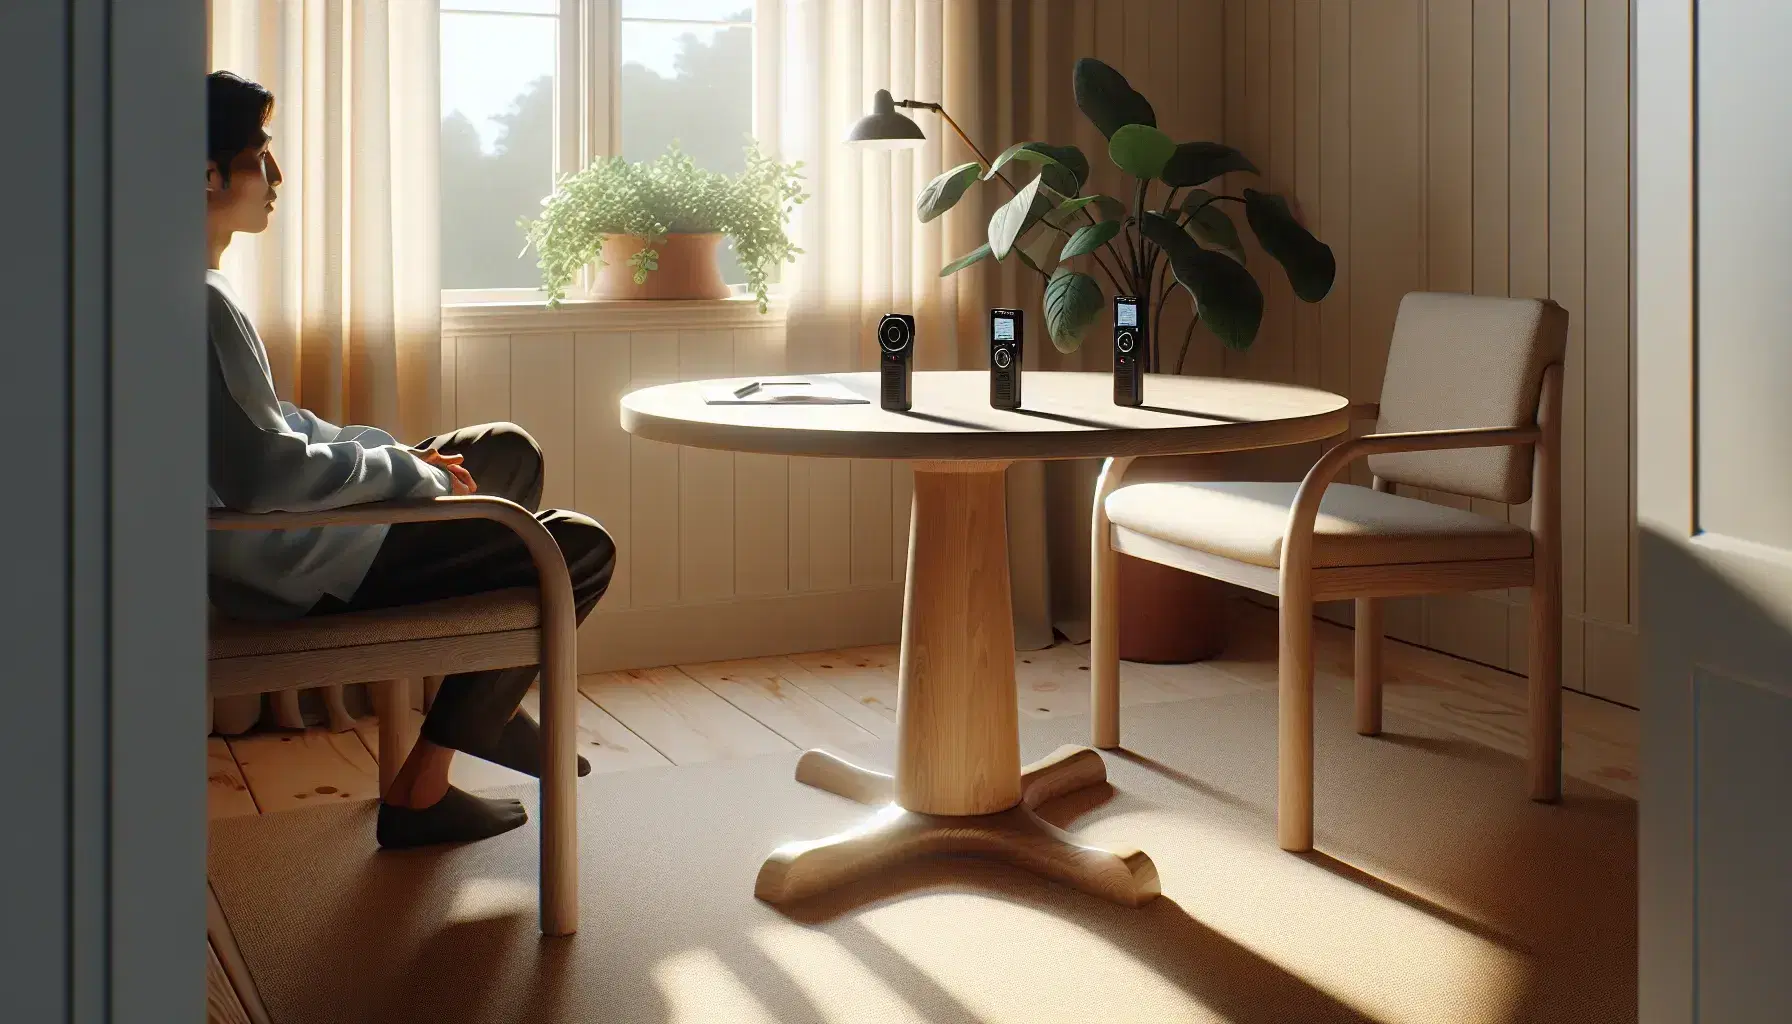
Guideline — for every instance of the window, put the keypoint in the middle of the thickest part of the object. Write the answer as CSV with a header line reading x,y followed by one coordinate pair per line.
x,y
533,89
687,77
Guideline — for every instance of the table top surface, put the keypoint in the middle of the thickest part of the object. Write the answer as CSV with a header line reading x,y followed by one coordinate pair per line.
x,y
1064,416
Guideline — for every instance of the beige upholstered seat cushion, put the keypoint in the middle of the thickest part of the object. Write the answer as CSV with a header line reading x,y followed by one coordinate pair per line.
x,y
494,612
1356,526
1461,361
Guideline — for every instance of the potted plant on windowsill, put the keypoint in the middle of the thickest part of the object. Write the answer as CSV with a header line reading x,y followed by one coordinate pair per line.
x,y
1175,235
653,229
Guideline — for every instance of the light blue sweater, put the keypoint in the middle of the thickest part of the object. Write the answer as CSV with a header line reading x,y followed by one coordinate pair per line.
x,y
269,456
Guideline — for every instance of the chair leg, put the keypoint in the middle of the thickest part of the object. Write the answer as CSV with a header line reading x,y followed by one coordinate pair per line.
x,y
337,707
1294,723
1104,644
559,800
391,704
1544,765
1368,666
286,709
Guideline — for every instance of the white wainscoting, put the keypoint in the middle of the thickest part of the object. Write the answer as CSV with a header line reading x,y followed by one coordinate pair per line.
x,y
721,555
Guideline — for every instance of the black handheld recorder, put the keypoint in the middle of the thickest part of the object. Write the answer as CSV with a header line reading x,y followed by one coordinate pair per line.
x,y
896,347
1004,358
1130,346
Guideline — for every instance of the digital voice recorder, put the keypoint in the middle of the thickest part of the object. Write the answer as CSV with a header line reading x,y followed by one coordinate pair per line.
x,y
1004,358
1129,351
896,345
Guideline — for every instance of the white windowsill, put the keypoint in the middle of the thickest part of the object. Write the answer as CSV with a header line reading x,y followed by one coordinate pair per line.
x,y
534,317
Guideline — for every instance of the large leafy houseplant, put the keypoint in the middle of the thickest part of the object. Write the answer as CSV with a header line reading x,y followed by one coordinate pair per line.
x,y
670,195
1187,239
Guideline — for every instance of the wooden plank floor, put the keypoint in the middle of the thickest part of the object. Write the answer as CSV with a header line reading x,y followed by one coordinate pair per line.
x,y
691,713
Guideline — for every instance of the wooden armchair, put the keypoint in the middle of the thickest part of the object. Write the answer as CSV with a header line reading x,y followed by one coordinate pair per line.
x,y
1471,384
501,629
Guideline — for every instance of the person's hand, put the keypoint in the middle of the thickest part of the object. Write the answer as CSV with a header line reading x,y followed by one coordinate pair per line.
x,y
460,481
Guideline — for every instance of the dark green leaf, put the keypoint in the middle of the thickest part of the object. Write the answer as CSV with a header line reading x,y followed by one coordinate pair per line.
x,y
1069,159
1308,261
1140,150
974,256
1106,99
1226,296
1034,253
1211,224
1089,238
943,192
1014,217
1111,208
1195,163
1065,215
1072,302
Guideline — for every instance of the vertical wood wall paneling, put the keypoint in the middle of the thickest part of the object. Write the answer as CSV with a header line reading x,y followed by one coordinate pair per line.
x,y
1528,253
653,482
761,484
1463,623
482,379
1304,186
544,401
1386,198
1608,216
601,376
449,419
830,502
1608,573
1276,354
1450,210
705,484
1461,145
1567,285
1336,194
1200,92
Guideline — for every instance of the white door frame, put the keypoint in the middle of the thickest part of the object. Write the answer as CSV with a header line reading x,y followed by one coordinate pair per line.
x,y
1716,616
102,405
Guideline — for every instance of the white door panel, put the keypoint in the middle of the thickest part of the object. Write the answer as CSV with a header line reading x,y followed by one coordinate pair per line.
x,y
1713,160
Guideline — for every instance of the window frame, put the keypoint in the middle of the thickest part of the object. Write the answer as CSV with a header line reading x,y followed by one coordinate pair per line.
x,y
587,109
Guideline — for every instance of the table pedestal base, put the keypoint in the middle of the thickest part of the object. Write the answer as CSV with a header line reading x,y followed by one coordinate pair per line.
x,y
1017,835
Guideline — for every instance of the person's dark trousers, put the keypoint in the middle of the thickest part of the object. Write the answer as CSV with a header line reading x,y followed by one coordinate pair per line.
x,y
428,561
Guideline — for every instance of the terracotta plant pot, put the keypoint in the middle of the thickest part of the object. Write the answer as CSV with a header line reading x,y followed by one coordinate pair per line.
x,y
687,269
1167,616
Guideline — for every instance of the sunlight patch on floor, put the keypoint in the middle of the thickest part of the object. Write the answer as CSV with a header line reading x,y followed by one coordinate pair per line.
x,y
483,899
842,989
700,989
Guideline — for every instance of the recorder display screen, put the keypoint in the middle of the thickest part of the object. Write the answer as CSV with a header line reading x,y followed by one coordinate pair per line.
x,y
1004,329
1126,314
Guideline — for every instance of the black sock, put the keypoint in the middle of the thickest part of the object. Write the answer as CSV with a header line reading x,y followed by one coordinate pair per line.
x,y
459,817
519,747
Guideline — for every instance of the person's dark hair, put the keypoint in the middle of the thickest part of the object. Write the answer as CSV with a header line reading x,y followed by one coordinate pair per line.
x,y
236,112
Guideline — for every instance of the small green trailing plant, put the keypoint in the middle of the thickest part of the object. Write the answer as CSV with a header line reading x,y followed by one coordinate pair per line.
x,y
670,195
1188,236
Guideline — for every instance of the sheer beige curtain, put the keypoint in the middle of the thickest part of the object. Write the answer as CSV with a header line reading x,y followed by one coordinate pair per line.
x,y
345,286
864,253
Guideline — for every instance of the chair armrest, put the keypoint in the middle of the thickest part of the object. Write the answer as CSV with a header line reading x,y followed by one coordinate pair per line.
x,y
379,513
1297,540
544,551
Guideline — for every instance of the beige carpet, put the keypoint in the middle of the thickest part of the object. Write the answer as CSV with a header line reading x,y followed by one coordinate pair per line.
x,y
1440,894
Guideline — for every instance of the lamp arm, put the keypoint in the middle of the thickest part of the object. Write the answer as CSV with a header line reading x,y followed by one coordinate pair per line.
x,y
981,156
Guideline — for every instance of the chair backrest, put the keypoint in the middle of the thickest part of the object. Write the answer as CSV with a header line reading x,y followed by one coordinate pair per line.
x,y
1460,361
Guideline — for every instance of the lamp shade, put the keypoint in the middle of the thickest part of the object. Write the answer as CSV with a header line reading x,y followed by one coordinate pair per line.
x,y
884,128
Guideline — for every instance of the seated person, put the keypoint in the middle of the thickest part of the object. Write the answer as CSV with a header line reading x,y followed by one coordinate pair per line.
x,y
266,455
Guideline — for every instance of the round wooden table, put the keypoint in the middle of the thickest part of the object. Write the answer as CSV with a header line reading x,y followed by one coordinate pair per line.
x,y
959,787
